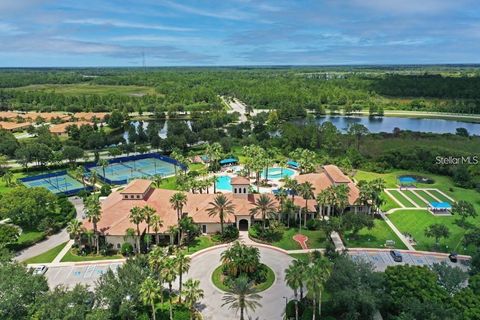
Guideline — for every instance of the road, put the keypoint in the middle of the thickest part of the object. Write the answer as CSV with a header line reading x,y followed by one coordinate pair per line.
x,y
237,106
53,240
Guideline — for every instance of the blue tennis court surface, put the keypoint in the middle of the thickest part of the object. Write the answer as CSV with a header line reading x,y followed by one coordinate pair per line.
x,y
56,182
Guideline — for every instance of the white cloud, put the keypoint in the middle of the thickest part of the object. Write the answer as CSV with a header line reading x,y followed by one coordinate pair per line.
x,y
9,29
124,24
410,6
229,14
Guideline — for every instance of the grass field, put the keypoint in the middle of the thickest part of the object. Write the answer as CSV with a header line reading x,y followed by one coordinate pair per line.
x,y
3,186
397,194
47,256
440,196
415,222
414,197
425,196
200,243
90,89
71,257
373,238
388,202
316,239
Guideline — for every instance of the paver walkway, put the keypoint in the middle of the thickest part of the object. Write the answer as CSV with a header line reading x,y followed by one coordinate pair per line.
x,y
337,241
397,232
64,251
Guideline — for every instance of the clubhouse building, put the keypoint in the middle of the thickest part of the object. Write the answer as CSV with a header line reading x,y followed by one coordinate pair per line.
x,y
139,193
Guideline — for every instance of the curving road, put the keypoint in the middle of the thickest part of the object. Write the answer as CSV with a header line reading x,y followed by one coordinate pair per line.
x,y
273,301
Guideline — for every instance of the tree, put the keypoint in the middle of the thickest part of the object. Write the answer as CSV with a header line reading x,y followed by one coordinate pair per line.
x,y
169,274
72,153
75,229
437,231
7,177
20,290
137,216
242,297
149,213
115,119
79,173
465,210
93,212
156,223
294,278
178,200
150,292
104,164
450,278
8,234
306,191
317,275
157,180
265,206
356,222
183,263
357,131
221,207
192,294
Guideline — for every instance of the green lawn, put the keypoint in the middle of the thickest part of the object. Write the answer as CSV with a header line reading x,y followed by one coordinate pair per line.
x,y
440,196
316,239
425,196
71,257
373,238
89,89
415,222
3,186
301,256
414,197
401,198
200,243
47,256
389,203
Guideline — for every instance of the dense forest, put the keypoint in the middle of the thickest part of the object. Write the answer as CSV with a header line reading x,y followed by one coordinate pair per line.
x,y
292,91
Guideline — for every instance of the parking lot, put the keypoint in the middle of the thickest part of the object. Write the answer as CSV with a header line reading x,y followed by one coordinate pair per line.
x,y
382,259
78,274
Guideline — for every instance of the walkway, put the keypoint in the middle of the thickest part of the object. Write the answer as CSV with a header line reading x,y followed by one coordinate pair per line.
x,y
397,232
64,251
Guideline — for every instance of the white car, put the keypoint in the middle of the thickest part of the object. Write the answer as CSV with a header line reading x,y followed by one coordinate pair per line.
x,y
40,270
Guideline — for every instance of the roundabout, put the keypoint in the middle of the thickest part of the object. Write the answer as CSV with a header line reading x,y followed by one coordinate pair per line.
x,y
218,280
272,298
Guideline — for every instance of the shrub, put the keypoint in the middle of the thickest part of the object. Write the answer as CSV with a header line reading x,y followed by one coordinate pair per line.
x,y
105,190
126,249
313,224
230,233
291,309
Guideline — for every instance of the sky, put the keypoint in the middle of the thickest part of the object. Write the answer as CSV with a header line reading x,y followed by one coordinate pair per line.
x,y
71,33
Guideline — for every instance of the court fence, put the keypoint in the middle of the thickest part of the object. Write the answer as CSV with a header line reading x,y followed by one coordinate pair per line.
x,y
56,174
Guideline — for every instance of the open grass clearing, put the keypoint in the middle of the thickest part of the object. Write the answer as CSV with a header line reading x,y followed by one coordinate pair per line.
x,y
373,238
90,89
47,256
414,197
316,239
397,194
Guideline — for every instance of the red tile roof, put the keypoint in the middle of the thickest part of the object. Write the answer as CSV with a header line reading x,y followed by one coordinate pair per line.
x,y
137,186
336,174
239,180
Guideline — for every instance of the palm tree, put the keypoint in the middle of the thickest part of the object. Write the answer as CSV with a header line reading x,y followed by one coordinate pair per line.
x,y
306,190
292,185
183,263
294,279
149,213
150,292
136,217
172,230
192,294
178,200
156,223
340,196
321,272
156,261
300,267
104,164
7,177
288,209
94,179
169,274
75,229
93,212
157,180
265,206
222,207
242,297
78,173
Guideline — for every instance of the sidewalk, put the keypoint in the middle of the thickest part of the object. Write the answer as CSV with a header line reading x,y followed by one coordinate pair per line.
x,y
64,251
397,232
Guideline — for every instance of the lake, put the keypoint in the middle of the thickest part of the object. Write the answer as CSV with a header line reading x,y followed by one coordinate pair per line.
x,y
387,124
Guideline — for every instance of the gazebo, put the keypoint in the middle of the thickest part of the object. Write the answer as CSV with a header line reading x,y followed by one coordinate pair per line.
x,y
228,161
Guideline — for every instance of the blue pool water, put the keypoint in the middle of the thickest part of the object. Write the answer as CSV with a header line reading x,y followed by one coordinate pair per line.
x,y
407,179
278,173
224,183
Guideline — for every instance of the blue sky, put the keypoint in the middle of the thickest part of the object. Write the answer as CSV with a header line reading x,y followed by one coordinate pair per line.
x,y
237,32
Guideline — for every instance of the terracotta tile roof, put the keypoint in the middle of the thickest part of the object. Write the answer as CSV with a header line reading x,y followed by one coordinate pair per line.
x,y
336,174
90,115
321,181
239,180
45,115
9,115
62,127
137,186
13,125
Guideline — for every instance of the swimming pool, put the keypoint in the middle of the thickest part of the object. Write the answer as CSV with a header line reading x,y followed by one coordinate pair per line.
x,y
407,179
278,173
224,183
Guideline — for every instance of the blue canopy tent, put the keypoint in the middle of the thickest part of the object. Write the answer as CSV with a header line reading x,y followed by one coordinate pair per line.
x,y
228,161
440,206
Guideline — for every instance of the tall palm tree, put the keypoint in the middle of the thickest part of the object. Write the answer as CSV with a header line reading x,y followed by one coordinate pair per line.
x,y
156,223
322,272
104,164
242,297
183,264
221,207
294,279
289,208
75,229
178,200
301,267
340,195
149,213
306,191
150,292
94,179
7,177
169,274
136,217
156,262
292,185
172,230
265,206
93,212
157,181
192,293
79,173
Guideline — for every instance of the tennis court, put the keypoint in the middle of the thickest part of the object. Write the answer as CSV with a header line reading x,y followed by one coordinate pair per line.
x,y
122,170
56,182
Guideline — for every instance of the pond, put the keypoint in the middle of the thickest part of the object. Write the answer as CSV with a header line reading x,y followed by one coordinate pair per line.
x,y
163,125
387,124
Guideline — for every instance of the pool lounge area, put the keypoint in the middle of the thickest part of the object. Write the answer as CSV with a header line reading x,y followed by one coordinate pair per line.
x,y
275,173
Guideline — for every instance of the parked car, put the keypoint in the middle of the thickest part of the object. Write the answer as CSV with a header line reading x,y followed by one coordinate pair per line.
x,y
40,269
396,255
453,257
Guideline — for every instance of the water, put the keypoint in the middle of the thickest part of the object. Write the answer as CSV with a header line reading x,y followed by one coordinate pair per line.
x,y
387,124
278,173
162,132
224,183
